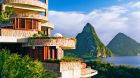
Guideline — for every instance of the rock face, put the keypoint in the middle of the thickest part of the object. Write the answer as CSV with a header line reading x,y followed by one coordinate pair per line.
x,y
89,45
122,45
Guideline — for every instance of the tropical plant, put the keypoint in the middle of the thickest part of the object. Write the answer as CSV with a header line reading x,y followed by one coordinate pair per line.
x,y
5,14
15,66
4,55
40,34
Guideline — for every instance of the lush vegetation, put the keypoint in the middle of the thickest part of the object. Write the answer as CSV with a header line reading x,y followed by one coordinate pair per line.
x,y
71,59
15,66
39,34
107,70
65,59
5,16
122,45
89,45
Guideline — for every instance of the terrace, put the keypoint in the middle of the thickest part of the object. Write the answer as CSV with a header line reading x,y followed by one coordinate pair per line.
x,y
88,72
64,43
35,3
11,35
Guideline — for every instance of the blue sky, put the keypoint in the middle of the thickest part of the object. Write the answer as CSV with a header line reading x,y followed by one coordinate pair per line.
x,y
109,17
82,5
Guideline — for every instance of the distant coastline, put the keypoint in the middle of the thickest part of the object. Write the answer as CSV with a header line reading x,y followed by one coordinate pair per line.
x,y
124,60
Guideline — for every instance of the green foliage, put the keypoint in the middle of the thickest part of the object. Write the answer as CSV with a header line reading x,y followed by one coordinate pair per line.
x,y
70,54
15,66
4,55
122,45
65,59
71,59
5,15
40,34
108,70
53,61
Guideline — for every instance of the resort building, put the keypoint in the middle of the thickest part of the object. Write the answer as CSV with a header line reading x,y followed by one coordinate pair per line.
x,y
23,34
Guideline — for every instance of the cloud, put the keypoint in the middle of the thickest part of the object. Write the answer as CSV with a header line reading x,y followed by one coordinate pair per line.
x,y
135,5
107,21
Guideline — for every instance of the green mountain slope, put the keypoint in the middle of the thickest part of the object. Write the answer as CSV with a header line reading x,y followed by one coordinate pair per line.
x,y
89,45
122,45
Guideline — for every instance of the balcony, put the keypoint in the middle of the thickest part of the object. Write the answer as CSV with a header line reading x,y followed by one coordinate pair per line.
x,y
64,43
88,72
11,35
32,16
35,3
48,24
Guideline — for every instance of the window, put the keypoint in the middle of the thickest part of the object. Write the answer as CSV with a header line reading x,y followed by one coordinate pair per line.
x,y
25,24
29,24
16,23
35,24
22,23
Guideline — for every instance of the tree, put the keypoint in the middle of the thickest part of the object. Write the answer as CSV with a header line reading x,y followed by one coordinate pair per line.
x,y
22,67
4,55
5,16
108,70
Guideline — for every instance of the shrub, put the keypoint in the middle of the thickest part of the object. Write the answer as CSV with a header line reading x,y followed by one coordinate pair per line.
x,y
65,59
39,34
15,66
71,59
53,61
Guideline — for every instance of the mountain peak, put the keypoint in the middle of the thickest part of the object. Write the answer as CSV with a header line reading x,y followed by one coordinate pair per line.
x,y
123,36
120,33
88,24
89,44
123,45
88,28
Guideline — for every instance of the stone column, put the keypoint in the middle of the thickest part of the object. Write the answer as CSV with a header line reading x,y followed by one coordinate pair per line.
x,y
39,26
53,54
49,31
60,53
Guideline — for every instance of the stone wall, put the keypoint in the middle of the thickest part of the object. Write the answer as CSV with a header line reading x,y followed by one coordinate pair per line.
x,y
17,33
71,69
64,66
64,43
52,66
60,53
65,69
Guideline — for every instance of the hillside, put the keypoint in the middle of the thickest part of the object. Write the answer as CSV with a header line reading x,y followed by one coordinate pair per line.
x,y
122,45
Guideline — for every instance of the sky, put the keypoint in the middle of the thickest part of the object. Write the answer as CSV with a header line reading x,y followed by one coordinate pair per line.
x,y
109,17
